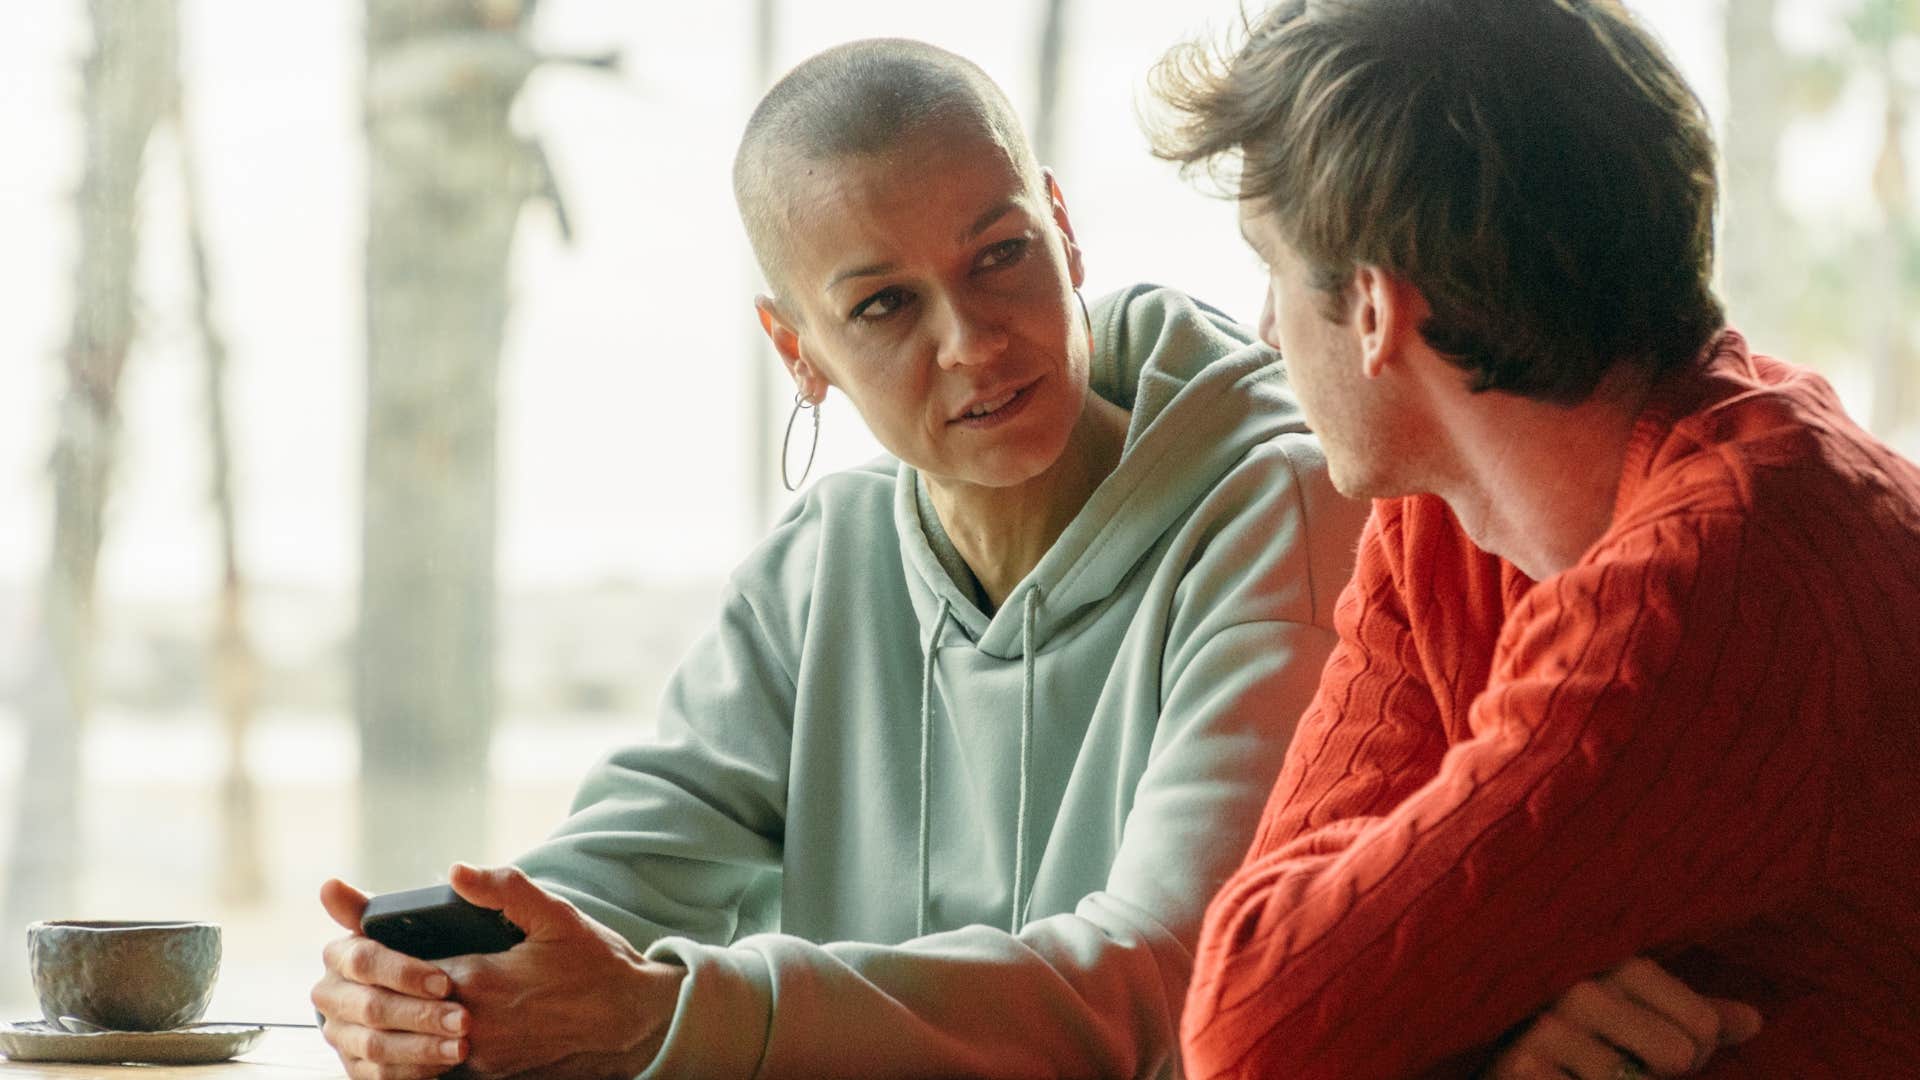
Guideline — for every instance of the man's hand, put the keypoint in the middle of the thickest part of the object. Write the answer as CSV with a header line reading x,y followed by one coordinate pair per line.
x,y
1636,1020
572,1000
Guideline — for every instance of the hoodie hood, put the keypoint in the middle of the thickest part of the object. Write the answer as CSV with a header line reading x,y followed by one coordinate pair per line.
x,y
1201,392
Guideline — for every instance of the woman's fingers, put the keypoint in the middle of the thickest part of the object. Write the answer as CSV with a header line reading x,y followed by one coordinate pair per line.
x,y
344,903
366,961
508,890
371,1053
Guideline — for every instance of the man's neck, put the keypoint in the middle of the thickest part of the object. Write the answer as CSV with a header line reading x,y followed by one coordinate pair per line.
x,y
1535,483
1002,533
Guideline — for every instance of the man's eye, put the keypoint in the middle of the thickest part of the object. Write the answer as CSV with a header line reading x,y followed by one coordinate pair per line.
x,y
879,305
1004,252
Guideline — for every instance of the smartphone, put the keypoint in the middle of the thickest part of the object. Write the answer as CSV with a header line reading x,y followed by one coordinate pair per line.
x,y
435,922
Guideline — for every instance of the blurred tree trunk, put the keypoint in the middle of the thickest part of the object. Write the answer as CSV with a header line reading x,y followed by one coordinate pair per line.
x,y
1046,112
1759,258
124,88
446,179
234,668
763,420
1890,316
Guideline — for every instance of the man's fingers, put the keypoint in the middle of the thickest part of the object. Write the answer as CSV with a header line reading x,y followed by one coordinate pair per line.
x,y
1633,1027
343,902
1739,1021
1554,1047
366,961
510,891
1646,982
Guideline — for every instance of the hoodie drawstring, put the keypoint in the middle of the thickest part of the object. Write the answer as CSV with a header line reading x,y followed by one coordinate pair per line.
x,y
926,767
1020,898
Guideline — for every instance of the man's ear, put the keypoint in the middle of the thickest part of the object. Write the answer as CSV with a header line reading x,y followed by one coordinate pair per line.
x,y
1386,312
786,341
1076,264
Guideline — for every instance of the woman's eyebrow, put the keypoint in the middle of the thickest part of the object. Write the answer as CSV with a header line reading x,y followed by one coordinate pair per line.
x,y
869,270
985,221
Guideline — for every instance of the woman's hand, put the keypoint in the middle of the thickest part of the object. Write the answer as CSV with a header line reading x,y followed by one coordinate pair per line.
x,y
1634,1021
573,999
384,1012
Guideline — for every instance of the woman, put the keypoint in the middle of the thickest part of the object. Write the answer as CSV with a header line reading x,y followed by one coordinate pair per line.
x,y
983,724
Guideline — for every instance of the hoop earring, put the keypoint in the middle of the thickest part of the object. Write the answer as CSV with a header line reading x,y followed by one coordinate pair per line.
x,y
800,401
1086,317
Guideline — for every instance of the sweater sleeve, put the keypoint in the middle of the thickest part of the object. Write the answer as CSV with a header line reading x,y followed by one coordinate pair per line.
x,y
669,836
1643,769
1332,776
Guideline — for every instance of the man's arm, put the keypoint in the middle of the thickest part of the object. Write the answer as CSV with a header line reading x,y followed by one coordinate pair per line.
x,y
1643,769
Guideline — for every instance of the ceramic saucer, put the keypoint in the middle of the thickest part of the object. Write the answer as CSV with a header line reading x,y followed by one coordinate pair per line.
x,y
37,1040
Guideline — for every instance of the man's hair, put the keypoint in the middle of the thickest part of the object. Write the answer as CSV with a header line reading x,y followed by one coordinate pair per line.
x,y
862,99
1538,169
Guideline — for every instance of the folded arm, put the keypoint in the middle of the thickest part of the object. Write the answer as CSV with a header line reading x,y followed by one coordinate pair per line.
x,y
1642,770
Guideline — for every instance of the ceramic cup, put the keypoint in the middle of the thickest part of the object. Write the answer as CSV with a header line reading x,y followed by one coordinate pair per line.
x,y
130,976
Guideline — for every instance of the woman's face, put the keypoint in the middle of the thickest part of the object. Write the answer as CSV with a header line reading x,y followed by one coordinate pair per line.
x,y
934,288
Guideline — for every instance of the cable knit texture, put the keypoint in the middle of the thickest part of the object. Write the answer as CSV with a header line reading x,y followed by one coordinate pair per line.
x,y
1701,743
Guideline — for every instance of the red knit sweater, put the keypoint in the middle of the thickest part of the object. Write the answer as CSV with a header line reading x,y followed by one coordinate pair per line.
x,y
1701,743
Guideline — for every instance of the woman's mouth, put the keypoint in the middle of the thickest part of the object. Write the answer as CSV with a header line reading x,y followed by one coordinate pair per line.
x,y
984,408
997,410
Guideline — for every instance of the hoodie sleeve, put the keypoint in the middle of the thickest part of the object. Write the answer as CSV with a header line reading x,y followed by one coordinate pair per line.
x,y
667,837
1096,991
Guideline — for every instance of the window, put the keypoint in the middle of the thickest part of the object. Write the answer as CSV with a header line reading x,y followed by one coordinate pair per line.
x,y
632,425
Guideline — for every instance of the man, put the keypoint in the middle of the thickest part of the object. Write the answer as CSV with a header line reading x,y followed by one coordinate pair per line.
x,y
1630,658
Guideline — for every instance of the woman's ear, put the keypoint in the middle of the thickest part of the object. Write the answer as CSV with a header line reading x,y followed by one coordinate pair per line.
x,y
785,336
1076,262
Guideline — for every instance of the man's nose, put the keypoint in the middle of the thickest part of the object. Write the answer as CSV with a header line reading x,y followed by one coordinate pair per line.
x,y
971,336
1269,328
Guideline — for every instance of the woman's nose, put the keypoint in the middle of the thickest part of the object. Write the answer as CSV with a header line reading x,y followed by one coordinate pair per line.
x,y
971,337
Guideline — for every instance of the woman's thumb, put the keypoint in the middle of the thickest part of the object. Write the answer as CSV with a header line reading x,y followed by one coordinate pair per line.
x,y
508,890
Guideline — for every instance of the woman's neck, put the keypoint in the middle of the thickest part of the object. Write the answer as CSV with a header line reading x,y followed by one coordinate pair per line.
x,y
1002,533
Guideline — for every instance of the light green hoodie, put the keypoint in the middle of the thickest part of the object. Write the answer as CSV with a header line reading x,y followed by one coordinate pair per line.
x,y
889,835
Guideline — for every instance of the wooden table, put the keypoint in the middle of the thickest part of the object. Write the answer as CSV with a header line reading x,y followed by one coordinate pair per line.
x,y
281,1054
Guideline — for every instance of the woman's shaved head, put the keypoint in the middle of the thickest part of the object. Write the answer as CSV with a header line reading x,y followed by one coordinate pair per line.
x,y
862,99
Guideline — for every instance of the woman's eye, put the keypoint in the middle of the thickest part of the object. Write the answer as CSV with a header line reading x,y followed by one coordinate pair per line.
x,y
1004,252
879,305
